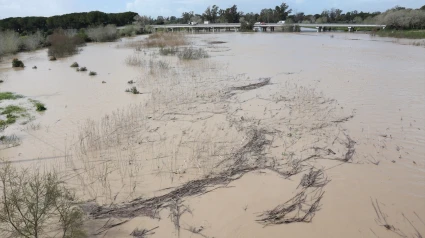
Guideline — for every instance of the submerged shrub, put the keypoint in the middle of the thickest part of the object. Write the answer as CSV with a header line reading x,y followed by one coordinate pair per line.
x,y
9,96
92,73
168,50
132,90
39,107
192,54
82,69
17,63
52,58
74,65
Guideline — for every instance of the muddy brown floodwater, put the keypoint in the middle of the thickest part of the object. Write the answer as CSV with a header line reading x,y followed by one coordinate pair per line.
x,y
301,135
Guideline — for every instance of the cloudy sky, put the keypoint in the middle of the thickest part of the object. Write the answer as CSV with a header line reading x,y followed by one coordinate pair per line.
x,y
20,8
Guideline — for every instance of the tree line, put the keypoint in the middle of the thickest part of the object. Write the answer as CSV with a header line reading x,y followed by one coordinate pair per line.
x,y
395,18
28,25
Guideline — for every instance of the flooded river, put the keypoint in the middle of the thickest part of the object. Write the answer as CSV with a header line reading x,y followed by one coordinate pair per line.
x,y
375,85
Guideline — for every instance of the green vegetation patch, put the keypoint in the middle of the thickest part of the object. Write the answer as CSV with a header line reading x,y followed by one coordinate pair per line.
x,y
9,96
17,63
402,34
12,109
12,113
39,107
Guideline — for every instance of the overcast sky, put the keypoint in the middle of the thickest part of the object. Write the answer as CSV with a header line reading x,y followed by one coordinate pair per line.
x,y
21,8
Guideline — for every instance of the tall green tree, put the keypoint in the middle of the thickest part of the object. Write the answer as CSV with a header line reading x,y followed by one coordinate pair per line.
x,y
283,11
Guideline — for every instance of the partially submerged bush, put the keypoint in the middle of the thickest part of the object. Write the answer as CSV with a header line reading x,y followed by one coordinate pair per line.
x,y
130,30
168,50
82,69
40,107
52,58
102,33
192,54
132,90
64,43
92,73
74,65
17,63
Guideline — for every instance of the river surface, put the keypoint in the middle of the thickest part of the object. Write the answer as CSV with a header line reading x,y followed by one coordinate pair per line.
x,y
377,80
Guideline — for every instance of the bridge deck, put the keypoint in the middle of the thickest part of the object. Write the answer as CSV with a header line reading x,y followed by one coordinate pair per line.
x,y
238,25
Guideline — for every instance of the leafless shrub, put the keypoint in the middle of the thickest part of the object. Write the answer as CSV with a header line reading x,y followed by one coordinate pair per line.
x,y
33,41
102,33
133,60
9,42
32,202
63,44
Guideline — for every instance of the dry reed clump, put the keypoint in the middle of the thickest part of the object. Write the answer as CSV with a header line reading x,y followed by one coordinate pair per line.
x,y
134,60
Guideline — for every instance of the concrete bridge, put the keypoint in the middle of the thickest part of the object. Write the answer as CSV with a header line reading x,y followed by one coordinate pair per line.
x,y
205,27
236,26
